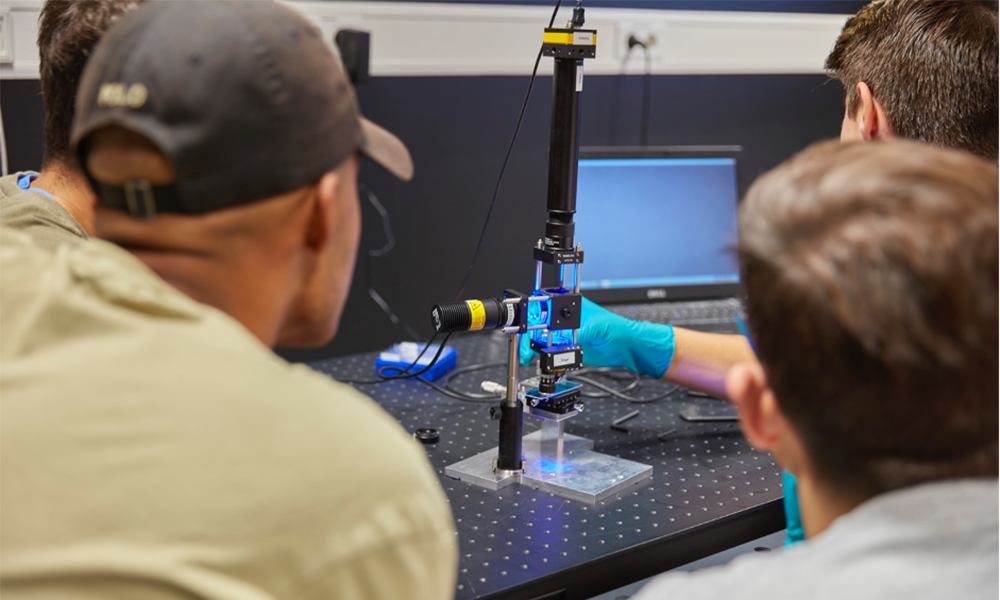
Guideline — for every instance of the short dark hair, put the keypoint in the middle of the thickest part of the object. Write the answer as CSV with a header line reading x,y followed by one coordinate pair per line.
x,y
871,281
68,30
931,64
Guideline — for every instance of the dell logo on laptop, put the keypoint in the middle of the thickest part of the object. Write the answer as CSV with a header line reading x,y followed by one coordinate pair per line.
x,y
656,294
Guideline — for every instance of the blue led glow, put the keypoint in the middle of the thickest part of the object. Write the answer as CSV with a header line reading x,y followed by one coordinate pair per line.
x,y
550,466
538,314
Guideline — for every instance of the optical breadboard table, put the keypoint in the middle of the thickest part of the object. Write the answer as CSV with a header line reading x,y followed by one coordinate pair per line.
x,y
709,491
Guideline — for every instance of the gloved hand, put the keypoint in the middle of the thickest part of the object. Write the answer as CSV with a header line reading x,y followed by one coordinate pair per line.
x,y
610,340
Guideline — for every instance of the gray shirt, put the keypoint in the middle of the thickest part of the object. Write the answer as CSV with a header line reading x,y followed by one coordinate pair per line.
x,y
47,222
936,540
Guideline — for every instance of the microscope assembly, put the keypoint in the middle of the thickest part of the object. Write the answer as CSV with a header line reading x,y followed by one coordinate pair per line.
x,y
548,459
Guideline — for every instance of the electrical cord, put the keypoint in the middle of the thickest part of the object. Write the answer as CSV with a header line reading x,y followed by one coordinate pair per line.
x,y
404,373
389,245
445,389
610,373
646,90
646,99
506,159
459,395
630,399
618,393
607,391
470,369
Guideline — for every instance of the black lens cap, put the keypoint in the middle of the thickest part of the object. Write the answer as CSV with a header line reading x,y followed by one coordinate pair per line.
x,y
426,435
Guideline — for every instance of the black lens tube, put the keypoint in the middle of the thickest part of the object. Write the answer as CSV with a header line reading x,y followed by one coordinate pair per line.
x,y
472,315
564,150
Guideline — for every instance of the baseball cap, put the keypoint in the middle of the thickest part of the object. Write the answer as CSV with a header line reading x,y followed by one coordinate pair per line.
x,y
245,98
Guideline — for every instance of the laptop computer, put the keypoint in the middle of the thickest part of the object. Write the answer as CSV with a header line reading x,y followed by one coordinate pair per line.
x,y
658,226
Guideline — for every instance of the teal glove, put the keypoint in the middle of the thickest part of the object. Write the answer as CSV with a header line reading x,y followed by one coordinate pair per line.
x,y
793,518
609,340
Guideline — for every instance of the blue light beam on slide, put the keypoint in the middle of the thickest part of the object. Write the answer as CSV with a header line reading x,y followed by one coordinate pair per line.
x,y
549,466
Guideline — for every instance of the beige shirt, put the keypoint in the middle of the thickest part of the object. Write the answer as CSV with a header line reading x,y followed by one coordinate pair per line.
x,y
47,222
151,448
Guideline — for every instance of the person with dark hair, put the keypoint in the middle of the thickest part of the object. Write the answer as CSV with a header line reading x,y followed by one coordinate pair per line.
x,y
56,206
152,444
871,279
924,70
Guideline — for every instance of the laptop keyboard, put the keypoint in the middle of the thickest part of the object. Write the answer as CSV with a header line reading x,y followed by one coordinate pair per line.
x,y
703,312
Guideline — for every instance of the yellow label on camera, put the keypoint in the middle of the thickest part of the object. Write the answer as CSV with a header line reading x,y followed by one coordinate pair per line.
x,y
570,38
478,314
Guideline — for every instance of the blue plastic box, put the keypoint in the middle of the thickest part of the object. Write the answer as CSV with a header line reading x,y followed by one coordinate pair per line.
x,y
402,355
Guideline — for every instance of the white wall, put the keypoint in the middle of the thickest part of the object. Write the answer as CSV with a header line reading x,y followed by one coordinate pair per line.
x,y
414,39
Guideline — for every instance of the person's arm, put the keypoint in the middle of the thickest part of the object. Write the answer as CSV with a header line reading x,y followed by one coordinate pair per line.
x,y
694,359
701,360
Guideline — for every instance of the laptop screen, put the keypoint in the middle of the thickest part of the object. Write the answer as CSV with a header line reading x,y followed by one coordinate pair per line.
x,y
654,223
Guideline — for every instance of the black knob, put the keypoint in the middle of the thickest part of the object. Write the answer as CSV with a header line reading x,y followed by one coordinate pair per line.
x,y
426,435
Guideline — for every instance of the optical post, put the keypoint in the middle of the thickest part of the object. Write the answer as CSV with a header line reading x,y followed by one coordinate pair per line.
x,y
548,459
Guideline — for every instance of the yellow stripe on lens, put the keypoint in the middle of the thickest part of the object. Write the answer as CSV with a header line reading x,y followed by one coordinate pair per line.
x,y
478,314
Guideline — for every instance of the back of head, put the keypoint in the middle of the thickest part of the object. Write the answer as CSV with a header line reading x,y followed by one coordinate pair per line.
x,y
67,33
222,140
871,279
932,64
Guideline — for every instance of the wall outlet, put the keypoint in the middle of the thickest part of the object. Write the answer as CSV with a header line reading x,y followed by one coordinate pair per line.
x,y
650,34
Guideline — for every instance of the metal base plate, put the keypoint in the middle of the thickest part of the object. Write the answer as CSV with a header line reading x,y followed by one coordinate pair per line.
x,y
578,474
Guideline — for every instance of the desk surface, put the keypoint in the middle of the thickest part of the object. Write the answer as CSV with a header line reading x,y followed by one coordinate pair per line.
x,y
709,491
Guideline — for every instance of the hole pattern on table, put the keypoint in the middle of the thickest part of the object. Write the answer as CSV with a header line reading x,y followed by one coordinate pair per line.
x,y
701,472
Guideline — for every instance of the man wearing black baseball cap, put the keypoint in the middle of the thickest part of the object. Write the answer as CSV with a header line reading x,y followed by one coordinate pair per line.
x,y
152,444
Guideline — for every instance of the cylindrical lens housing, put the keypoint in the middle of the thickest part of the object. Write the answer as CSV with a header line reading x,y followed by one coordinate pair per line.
x,y
472,315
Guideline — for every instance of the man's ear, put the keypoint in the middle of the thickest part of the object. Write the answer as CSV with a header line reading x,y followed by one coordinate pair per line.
x,y
321,217
870,117
760,416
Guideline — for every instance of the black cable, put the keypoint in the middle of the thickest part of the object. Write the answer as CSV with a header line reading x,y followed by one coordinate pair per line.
x,y
389,245
610,373
457,395
646,99
412,364
470,369
503,167
646,93
405,373
619,392
446,388
629,399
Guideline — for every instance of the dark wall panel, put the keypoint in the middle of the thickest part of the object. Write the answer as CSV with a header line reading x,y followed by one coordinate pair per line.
x,y
23,119
844,7
458,129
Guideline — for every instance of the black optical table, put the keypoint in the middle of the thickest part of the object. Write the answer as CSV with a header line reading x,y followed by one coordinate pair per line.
x,y
709,491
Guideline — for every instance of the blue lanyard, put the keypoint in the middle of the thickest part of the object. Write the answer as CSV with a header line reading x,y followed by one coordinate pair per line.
x,y
24,182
